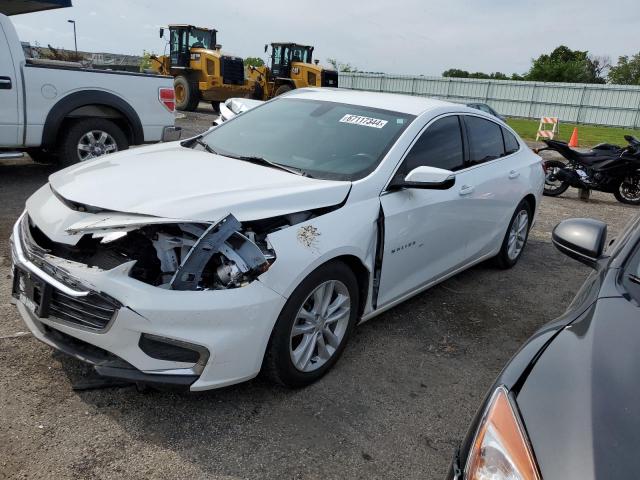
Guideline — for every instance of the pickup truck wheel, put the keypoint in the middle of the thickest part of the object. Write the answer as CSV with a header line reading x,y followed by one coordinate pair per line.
x,y
187,94
89,138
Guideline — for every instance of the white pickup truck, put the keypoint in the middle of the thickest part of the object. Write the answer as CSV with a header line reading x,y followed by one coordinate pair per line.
x,y
61,111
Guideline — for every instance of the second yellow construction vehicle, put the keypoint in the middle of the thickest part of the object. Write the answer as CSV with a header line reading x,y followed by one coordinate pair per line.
x,y
200,70
292,66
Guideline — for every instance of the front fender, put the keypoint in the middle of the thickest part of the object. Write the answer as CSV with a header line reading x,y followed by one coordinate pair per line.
x,y
301,248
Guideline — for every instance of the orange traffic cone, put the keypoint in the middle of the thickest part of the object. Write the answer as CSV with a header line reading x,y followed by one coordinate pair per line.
x,y
574,138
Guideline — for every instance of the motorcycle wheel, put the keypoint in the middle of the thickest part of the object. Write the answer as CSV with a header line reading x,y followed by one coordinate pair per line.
x,y
552,186
629,190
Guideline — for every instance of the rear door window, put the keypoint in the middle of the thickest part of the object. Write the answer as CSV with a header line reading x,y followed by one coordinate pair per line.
x,y
485,140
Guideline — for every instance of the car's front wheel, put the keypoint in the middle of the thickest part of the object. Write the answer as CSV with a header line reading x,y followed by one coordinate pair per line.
x,y
516,237
313,327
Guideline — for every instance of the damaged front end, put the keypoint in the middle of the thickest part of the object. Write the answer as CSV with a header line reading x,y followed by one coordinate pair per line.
x,y
173,255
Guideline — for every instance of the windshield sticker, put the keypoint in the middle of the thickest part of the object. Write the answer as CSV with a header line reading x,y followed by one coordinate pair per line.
x,y
364,121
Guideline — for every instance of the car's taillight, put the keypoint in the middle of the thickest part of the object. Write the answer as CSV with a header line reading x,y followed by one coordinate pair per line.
x,y
167,97
500,449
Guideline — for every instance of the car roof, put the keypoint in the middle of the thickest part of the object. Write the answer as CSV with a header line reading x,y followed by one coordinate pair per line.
x,y
384,101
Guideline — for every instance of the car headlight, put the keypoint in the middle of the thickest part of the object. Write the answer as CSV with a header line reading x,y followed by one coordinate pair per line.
x,y
500,449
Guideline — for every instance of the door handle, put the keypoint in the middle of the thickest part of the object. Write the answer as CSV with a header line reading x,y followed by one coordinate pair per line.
x,y
5,83
513,174
467,189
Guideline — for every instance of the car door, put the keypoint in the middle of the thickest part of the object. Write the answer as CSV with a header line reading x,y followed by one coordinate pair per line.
x,y
426,231
8,95
494,172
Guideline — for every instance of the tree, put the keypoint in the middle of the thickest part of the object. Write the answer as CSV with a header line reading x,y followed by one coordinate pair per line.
x,y
564,65
253,62
627,71
342,67
145,60
455,73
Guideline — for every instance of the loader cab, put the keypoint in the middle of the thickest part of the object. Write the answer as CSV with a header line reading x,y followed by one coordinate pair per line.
x,y
284,54
182,38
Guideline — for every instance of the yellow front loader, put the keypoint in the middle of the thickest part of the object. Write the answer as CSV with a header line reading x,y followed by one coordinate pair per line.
x,y
292,66
200,70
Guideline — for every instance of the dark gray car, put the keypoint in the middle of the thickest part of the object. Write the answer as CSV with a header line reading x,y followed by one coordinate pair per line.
x,y
566,405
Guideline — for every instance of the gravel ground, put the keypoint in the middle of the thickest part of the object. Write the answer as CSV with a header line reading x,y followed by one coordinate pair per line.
x,y
395,406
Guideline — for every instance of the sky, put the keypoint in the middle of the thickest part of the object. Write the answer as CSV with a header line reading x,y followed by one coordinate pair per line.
x,y
414,37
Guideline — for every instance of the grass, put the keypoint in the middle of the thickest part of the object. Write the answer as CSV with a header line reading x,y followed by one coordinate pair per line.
x,y
588,135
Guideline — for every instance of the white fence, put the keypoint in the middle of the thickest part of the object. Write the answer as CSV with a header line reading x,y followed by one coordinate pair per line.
x,y
613,105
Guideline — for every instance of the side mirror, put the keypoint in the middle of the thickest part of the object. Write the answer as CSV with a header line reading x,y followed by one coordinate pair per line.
x,y
266,47
425,177
582,239
161,32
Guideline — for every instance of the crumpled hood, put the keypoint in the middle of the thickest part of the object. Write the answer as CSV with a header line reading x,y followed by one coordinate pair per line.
x,y
168,180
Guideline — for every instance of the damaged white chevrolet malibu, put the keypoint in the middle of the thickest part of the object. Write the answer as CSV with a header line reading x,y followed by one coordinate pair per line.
x,y
259,245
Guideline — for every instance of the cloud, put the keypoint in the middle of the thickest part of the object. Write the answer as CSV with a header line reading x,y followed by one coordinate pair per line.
x,y
407,36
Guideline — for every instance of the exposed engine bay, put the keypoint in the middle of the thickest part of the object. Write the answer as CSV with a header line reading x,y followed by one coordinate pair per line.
x,y
180,256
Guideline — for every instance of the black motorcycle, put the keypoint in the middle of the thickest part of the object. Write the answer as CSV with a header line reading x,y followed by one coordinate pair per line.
x,y
606,168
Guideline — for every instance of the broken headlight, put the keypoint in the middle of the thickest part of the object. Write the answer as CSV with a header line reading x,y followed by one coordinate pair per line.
x,y
221,257
177,256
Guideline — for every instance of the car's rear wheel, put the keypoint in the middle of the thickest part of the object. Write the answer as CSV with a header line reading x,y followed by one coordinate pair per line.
x,y
516,237
313,327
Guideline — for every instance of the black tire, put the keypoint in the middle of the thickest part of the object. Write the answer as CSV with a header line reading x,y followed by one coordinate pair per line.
x,y
216,107
283,89
631,188
187,93
68,147
257,94
549,190
278,365
503,259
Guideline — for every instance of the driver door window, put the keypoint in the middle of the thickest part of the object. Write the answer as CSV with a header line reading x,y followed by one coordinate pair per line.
x,y
439,146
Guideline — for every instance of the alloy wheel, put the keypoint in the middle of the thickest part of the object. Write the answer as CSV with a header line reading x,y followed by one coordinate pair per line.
x,y
320,326
94,144
518,234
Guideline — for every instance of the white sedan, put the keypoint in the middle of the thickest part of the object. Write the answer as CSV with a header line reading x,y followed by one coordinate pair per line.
x,y
259,245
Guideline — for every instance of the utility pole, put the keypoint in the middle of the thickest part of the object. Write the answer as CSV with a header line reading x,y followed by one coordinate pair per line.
x,y
75,39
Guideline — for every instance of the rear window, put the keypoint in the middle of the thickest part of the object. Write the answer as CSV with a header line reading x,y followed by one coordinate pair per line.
x,y
511,144
485,140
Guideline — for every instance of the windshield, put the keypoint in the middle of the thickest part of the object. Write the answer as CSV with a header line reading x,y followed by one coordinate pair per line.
x,y
199,38
321,139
